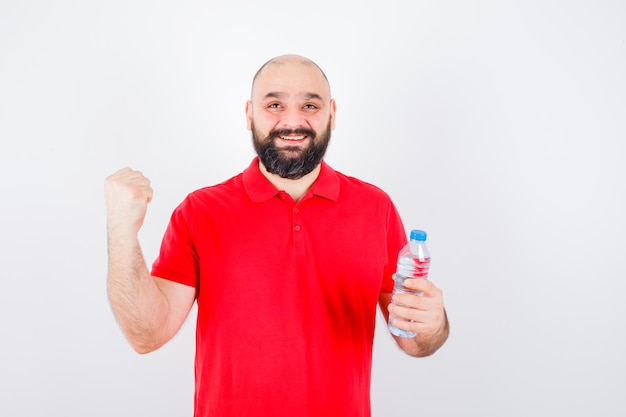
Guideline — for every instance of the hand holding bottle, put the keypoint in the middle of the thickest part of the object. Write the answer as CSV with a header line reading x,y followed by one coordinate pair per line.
x,y
414,314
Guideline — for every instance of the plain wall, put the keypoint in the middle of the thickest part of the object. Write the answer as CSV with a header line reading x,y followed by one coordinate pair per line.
x,y
496,126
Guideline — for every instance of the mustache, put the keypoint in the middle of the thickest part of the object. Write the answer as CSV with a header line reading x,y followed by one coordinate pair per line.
x,y
286,132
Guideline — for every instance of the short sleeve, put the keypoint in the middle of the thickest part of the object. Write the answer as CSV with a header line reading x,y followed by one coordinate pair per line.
x,y
178,260
396,239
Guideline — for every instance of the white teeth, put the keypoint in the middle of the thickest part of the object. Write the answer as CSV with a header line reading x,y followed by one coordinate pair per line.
x,y
292,137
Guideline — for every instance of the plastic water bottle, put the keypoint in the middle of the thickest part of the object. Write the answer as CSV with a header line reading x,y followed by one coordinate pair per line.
x,y
413,262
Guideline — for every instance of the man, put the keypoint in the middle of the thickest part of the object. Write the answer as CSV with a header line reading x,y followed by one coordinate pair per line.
x,y
287,262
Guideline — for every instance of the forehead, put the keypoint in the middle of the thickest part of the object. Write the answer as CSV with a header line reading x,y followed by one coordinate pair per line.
x,y
290,79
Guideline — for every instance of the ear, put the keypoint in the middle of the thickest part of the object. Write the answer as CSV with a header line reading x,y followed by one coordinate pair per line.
x,y
249,114
333,110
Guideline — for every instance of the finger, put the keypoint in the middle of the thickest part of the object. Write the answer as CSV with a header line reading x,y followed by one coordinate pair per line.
x,y
121,177
413,301
121,171
423,285
150,194
142,191
135,175
420,322
404,315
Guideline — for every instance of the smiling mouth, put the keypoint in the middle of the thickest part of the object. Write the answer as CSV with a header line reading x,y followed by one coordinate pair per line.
x,y
293,138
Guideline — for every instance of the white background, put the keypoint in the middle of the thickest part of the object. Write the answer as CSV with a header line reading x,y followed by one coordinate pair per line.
x,y
497,126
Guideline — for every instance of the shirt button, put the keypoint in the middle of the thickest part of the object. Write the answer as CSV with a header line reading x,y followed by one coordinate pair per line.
x,y
297,228
296,210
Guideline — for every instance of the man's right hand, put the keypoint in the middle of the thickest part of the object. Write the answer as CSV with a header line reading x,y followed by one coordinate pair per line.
x,y
150,310
127,194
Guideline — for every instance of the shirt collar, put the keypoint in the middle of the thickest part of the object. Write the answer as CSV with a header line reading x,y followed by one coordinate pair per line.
x,y
259,188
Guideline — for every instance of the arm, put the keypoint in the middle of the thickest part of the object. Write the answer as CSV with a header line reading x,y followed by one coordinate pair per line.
x,y
150,310
428,315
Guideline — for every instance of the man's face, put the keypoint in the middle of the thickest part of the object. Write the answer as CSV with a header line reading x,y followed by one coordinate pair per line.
x,y
291,116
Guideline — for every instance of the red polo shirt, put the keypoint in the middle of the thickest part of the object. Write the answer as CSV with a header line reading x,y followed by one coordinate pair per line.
x,y
287,292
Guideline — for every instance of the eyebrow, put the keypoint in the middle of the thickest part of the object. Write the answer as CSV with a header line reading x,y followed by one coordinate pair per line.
x,y
306,96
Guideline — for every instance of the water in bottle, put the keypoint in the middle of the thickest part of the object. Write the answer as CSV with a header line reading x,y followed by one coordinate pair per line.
x,y
413,262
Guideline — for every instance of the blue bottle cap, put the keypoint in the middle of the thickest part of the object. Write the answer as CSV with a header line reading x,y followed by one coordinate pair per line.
x,y
419,235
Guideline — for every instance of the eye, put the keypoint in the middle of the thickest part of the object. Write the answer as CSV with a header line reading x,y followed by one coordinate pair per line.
x,y
274,106
310,106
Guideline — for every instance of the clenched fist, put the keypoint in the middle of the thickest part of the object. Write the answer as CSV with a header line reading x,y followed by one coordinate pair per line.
x,y
127,194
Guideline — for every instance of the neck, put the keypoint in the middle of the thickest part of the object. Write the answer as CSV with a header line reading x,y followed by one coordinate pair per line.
x,y
295,188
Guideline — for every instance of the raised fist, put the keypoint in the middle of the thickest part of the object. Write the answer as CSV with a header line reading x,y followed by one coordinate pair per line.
x,y
127,194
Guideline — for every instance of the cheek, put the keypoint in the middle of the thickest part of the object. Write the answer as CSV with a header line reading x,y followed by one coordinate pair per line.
x,y
262,126
320,123
266,122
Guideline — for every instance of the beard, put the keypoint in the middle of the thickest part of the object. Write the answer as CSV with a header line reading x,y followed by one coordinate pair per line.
x,y
291,162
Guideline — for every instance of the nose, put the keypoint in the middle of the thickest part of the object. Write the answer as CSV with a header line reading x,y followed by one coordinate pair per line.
x,y
292,118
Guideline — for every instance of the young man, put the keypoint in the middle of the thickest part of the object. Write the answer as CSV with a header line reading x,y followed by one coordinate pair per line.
x,y
287,262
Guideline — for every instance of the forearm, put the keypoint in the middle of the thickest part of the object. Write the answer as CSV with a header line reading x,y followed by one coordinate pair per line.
x,y
137,302
425,344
